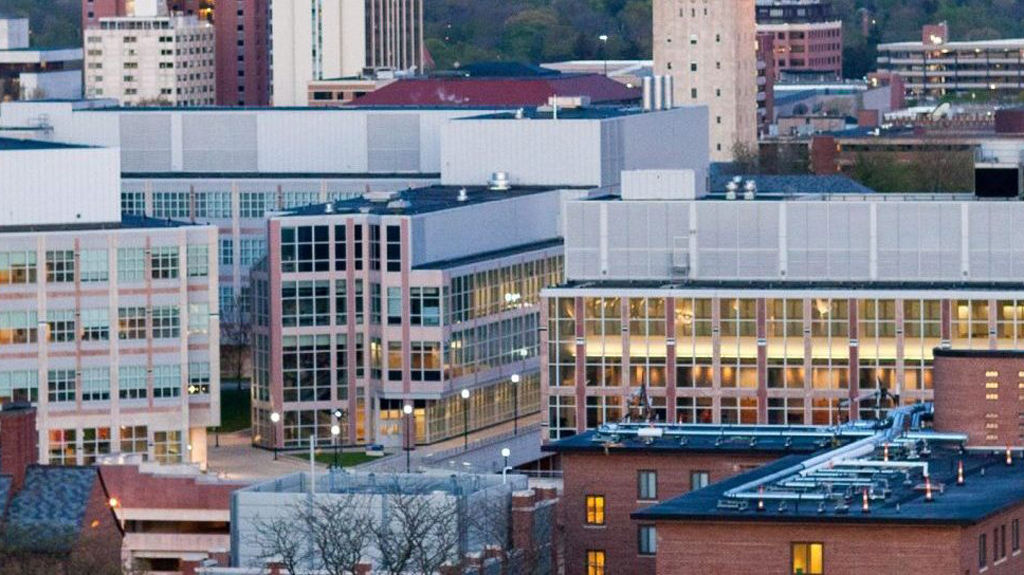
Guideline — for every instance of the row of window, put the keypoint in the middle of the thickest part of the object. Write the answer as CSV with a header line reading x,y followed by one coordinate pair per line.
x,y
308,248
85,446
133,322
94,384
218,205
998,544
60,266
805,558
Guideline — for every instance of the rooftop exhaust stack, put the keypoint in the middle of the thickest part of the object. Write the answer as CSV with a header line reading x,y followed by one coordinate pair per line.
x,y
669,99
750,190
659,92
463,195
730,190
648,93
499,182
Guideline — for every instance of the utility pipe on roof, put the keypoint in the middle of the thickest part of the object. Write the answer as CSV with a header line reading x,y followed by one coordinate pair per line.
x,y
891,464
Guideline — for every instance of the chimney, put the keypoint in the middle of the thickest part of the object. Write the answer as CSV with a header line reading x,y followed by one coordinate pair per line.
x,y
18,442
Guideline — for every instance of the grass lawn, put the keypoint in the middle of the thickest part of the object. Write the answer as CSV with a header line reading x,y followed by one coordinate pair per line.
x,y
235,409
348,458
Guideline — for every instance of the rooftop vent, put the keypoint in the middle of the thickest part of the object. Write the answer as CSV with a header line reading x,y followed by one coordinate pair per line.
x,y
499,181
750,190
380,197
730,190
463,195
329,208
399,205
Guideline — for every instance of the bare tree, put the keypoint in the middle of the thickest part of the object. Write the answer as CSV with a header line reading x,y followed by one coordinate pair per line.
x,y
278,541
418,529
236,337
490,525
341,529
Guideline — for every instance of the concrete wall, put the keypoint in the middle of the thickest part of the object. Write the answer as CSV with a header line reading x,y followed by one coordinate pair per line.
x,y
63,85
84,189
859,239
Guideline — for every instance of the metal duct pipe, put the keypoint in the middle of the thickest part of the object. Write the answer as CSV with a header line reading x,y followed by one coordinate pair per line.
x,y
648,93
670,95
659,92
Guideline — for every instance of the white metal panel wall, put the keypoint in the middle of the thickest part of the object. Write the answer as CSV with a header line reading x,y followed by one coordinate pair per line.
x,y
667,139
219,142
60,186
311,141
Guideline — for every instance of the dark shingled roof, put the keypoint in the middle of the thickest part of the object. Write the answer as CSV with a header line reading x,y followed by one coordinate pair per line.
x,y
48,510
990,487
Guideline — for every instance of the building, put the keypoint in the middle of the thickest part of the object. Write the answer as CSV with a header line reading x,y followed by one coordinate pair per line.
x,y
460,517
151,58
767,75
337,92
243,52
93,10
971,395
904,500
500,91
313,40
936,67
396,35
808,38
709,49
28,73
611,472
108,324
736,311
628,72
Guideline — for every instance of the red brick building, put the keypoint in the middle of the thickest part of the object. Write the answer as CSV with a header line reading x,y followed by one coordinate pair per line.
x,y
981,393
608,477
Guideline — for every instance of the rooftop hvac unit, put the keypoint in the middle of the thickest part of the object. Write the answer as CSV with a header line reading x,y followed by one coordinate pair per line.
x,y
380,197
499,182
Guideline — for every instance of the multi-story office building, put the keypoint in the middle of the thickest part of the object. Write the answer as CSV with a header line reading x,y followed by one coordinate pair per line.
x,y
151,58
783,308
93,10
28,73
107,324
314,40
808,38
709,49
935,66
767,75
396,35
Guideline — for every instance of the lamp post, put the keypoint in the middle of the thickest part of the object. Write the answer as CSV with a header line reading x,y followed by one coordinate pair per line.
x,y
515,402
604,51
465,419
339,415
505,452
274,418
407,410
335,432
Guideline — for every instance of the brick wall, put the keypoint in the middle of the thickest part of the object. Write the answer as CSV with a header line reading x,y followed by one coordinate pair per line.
x,y
615,477
18,444
964,382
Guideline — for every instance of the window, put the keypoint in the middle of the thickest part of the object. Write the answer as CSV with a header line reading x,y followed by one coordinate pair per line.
x,y
167,446
18,327
131,264
213,205
699,480
595,509
227,252
375,303
133,203
60,266
166,322
1015,535
305,249
426,361
647,540
253,204
135,439
982,551
374,247
18,267
95,325
394,248
94,266
95,442
647,485
60,325
306,367
305,303
19,386
131,323
807,558
198,261
359,302
60,384
131,382
166,381
595,562
394,306
251,251
424,306
357,244
170,205
164,261
96,384
198,318
340,249
395,360
63,447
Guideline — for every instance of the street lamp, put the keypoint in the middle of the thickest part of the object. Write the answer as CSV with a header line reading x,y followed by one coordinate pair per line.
x,y
407,410
604,51
515,401
339,414
274,418
335,432
505,452
465,419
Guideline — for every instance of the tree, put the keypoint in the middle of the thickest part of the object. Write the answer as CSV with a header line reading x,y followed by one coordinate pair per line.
x,y
278,541
236,338
341,529
745,158
418,529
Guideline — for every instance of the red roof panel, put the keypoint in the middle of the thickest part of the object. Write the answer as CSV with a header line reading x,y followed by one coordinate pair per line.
x,y
503,92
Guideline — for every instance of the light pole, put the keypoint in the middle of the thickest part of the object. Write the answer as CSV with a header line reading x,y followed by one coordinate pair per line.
x,y
339,415
407,410
465,419
274,418
505,452
515,401
335,432
604,51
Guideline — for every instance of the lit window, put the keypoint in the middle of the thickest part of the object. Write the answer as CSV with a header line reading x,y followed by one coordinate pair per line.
x,y
595,510
991,373
992,396
595,562
807,558
991,385
60,266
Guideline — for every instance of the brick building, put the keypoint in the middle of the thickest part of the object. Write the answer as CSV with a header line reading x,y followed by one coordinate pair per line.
x,y
608,475
808,38
981,393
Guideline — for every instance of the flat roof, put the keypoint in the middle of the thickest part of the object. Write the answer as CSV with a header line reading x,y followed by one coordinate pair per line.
x,y
127,223
279,176
1005,43
16,144
990,487
700,439
682,284
416,201
492,255
545,113
987,353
